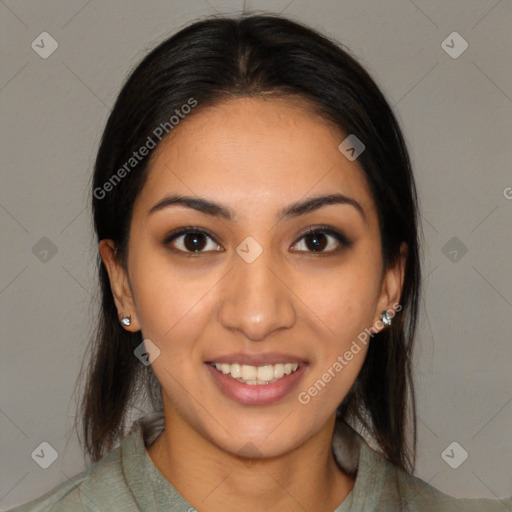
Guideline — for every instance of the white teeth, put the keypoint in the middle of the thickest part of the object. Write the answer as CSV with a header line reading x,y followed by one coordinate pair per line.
x,y
278,371
236,371
256,375
265,372
249,372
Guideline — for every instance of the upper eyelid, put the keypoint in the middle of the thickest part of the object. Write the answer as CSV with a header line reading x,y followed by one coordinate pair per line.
x,y
189,229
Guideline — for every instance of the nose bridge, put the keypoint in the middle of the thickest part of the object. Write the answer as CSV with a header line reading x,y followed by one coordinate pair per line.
x,y
254,300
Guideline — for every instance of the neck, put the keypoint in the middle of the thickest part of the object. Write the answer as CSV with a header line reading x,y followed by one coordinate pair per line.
x,y
211,479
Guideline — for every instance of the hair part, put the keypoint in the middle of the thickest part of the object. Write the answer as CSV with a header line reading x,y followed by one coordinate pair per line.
x,y
222,58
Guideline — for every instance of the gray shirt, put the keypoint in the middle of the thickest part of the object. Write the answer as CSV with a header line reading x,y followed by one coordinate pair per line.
x,y
126,480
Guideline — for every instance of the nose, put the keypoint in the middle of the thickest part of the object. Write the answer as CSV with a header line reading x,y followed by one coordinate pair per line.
x,y
255,299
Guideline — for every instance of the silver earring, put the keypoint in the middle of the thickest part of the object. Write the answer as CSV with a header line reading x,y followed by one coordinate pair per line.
x,y
386,318
126,320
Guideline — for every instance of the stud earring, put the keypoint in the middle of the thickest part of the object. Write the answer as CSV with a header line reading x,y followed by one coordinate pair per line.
x,y
126,320
386,318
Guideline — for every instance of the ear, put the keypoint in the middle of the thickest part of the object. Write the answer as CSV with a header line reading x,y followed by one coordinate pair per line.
x,y
391,289
119,284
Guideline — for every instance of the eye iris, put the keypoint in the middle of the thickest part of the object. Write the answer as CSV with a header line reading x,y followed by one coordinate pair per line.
x,y
194,241
317,241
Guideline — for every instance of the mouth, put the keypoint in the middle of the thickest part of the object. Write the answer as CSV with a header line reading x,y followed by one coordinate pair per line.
x,y
256,375
268,381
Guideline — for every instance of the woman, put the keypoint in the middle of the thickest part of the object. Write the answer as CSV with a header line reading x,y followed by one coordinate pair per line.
x,y
257,225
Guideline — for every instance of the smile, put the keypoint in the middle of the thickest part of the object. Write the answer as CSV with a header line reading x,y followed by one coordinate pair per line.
x,y
261,384
256,375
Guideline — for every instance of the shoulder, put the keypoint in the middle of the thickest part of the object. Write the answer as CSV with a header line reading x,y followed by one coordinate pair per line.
x,y
100,487
410,493
384,487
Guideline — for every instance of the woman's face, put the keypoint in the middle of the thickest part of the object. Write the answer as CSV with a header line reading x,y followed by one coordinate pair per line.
x,y
247,287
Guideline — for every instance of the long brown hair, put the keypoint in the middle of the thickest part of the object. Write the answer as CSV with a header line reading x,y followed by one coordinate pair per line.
x,y
211,60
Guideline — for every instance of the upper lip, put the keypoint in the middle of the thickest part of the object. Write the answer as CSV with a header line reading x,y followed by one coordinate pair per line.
x,y
257,359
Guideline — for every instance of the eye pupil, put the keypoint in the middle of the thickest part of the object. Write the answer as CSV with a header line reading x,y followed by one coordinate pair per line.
x,y
194,241
317,241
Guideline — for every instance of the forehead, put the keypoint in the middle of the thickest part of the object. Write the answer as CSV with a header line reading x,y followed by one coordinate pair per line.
x,y
256,152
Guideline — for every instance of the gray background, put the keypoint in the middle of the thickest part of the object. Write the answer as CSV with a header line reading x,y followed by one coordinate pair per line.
x,y
457,118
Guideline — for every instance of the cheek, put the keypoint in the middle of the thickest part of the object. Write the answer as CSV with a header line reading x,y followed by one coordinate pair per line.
x,y
343,300
170,304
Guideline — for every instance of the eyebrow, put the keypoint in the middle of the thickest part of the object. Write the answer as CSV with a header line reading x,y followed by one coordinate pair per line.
x,y
294,210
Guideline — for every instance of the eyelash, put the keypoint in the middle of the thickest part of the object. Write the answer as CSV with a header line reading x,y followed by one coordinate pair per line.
x,y
340,237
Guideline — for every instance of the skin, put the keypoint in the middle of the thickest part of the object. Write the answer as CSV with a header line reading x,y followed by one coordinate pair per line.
x,y
254,156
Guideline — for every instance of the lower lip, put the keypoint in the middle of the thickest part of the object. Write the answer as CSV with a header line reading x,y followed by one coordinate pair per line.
x,y
257,394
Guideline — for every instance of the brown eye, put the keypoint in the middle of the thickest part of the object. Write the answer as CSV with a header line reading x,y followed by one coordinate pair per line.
x,y
324,241
316,241
192,241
